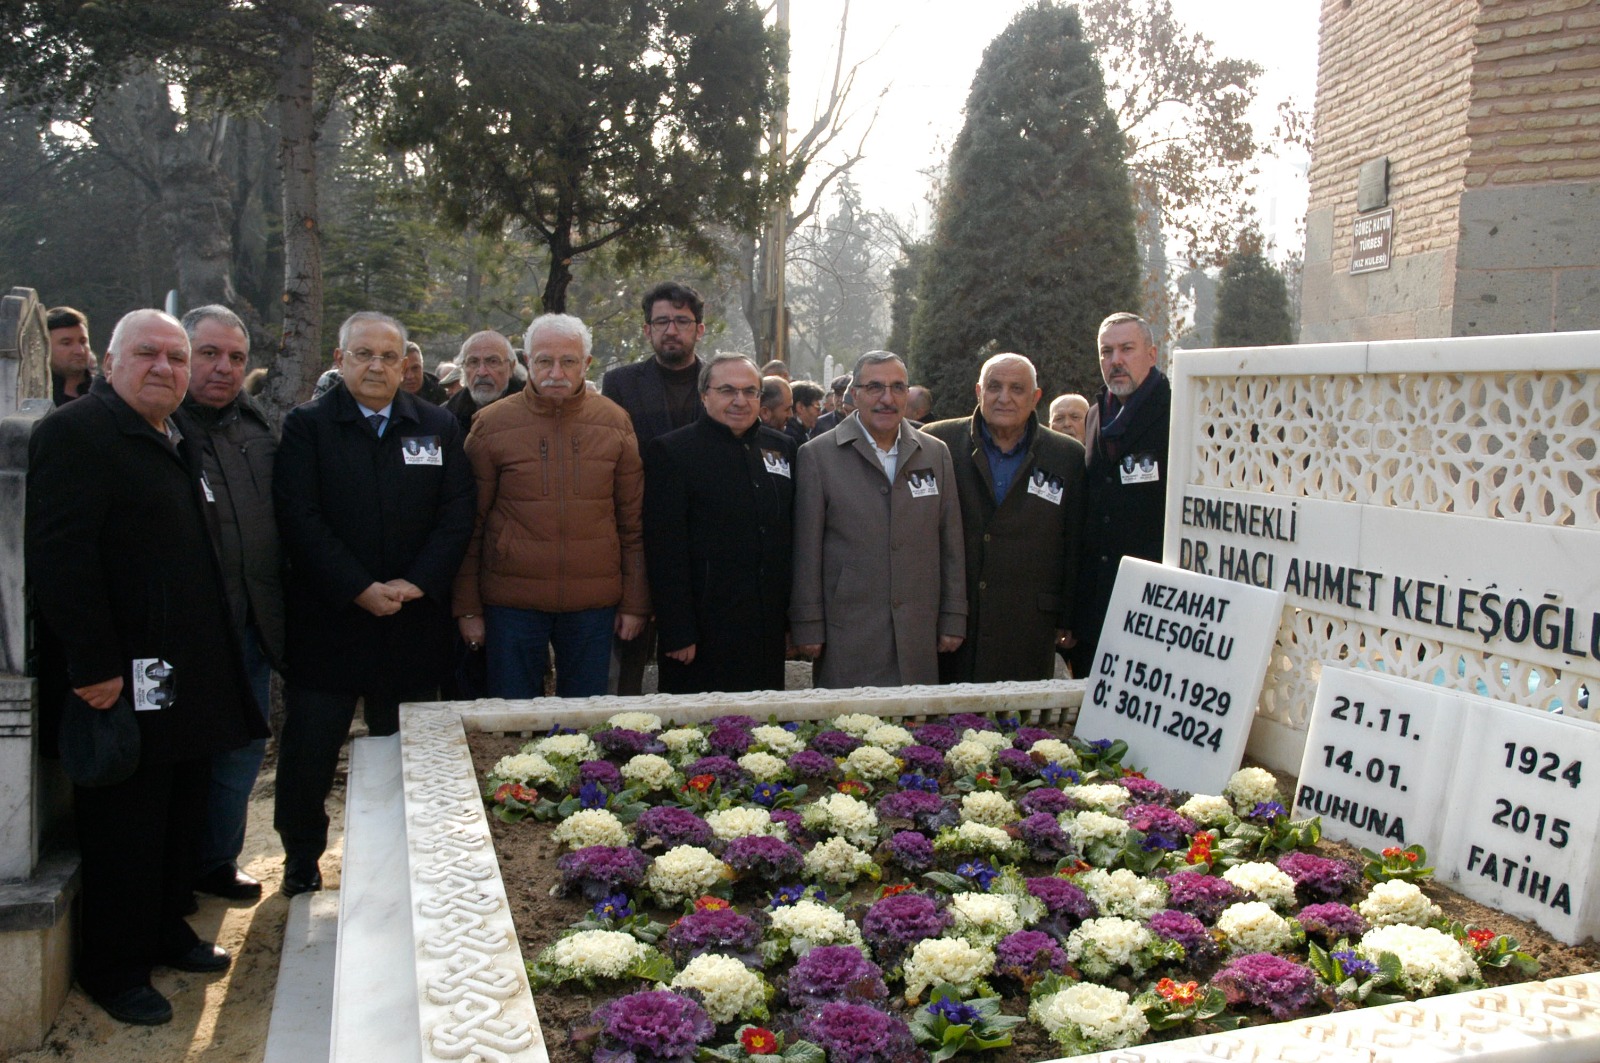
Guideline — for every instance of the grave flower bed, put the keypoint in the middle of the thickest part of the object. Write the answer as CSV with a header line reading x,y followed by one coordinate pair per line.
x,y
861,890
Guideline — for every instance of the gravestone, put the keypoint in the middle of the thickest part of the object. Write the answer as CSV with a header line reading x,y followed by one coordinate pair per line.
x,y
1178,670
36,885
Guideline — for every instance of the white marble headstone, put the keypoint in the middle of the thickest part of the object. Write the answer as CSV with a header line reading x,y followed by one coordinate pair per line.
x,y
1378,760
1178,671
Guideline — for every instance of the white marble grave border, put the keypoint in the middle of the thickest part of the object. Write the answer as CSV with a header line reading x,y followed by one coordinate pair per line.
x,y
472,988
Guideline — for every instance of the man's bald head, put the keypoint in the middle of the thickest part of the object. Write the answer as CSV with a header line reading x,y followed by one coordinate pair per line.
x,y
1067,413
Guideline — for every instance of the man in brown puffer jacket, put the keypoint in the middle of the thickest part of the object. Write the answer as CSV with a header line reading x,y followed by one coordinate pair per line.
x,y
557,555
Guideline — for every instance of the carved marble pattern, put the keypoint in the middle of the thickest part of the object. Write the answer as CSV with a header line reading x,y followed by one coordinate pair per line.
x,y
476,1005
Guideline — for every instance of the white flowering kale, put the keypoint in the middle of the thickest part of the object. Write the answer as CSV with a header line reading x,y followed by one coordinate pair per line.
x,y
807,924
590,955
1123,893
1087,1018
978,839
683,743
1254,927
1089,827
841,814
682,873
1101,947
1099,797
576,747
648,722
891,737
777,741
730,823
728,989
857,723
1269,884
872,764
1428,958
650,771
528,768
993,740
1248,787
839,862
984,918
763,767
1394,902
989,807
1208,810
1055,751
968,758
952,960
591,826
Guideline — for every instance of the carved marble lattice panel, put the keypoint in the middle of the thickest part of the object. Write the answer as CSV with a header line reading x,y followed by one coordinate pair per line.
x,y
1509,445
475,1004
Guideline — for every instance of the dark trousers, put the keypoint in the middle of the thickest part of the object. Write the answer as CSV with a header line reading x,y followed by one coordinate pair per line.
x,y
315,724
137,841
631,657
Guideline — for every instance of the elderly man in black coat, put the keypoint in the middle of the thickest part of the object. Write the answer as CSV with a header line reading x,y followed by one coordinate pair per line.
x,y
718,528
124,570
1125,439
375,505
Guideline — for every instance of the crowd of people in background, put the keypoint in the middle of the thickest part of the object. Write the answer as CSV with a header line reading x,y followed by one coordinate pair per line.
x,y
410,534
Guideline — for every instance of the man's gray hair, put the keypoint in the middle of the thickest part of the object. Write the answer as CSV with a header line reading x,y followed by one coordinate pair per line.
x,y
1002,359
1125,318
560,325
722,358
130,320
214,312
413,351
482,337
364,317
875,358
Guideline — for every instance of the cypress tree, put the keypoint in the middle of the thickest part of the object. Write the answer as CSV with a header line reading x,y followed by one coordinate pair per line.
x,y
1034,243
1252,299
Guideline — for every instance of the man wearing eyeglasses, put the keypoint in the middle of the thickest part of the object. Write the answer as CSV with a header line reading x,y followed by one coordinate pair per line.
x,y
375,507
718,508
879,572
661,393
486,367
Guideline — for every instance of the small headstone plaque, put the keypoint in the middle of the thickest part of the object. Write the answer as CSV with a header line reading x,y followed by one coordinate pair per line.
x,y
1378,759
1524,812
1178,671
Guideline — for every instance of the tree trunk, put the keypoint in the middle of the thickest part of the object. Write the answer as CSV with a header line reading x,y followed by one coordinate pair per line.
x,y
300,351
554,299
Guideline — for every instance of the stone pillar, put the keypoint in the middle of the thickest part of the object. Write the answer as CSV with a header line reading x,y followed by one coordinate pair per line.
x,y
36,884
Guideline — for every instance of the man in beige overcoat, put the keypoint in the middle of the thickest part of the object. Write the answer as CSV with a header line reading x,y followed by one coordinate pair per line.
x,y
879,568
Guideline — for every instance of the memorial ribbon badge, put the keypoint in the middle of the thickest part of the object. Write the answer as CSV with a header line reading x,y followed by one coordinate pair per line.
x,y
922,483
776,464
152,684
1046,486
421,450
1140,469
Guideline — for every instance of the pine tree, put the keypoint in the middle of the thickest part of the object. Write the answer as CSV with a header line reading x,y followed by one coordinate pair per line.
x,y
1252,299
1034,242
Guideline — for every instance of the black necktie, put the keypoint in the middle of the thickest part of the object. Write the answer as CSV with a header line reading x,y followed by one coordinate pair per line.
x,y
376,421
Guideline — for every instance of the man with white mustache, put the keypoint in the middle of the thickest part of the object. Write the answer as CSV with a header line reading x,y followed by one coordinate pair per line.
x,y
486,362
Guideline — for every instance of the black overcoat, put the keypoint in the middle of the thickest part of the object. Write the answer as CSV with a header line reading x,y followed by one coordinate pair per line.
x,y
123,567
718,534
352,511
1125,508
637,388
1022,555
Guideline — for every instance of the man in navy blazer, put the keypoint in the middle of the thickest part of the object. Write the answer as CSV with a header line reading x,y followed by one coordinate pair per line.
x,y
375,505
660,394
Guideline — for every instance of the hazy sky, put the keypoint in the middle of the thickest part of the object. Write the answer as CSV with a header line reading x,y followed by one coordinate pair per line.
x,y
928,50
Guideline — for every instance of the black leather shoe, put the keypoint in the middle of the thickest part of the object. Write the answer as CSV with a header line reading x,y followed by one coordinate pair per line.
x,y
139,1006
300,877
204,958
229,882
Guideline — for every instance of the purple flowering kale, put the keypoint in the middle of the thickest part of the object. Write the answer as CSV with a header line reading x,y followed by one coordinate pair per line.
x,y
1045,839
743,723
712,930
602,773
724,770
809,764
970,721
1028,954
895,924
1262,980
923,758
940,736
1065,902
1202,896
729,741
619,742
763,857
1146,790
653,1027
791,820
673,827
835,972
835,743
600,870
910,851
1018,763
1330,922
1027,736
1318,878
1187,931
1046,799
856,1033
909,804
1158,822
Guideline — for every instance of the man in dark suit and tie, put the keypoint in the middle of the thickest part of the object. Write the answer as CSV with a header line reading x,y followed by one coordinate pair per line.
x,y
660,394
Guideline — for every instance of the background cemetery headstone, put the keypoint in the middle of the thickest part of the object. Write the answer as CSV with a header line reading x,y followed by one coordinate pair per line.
x,y
1178,671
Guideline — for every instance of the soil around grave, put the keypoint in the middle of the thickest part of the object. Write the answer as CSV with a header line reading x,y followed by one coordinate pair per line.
x,y
528,855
